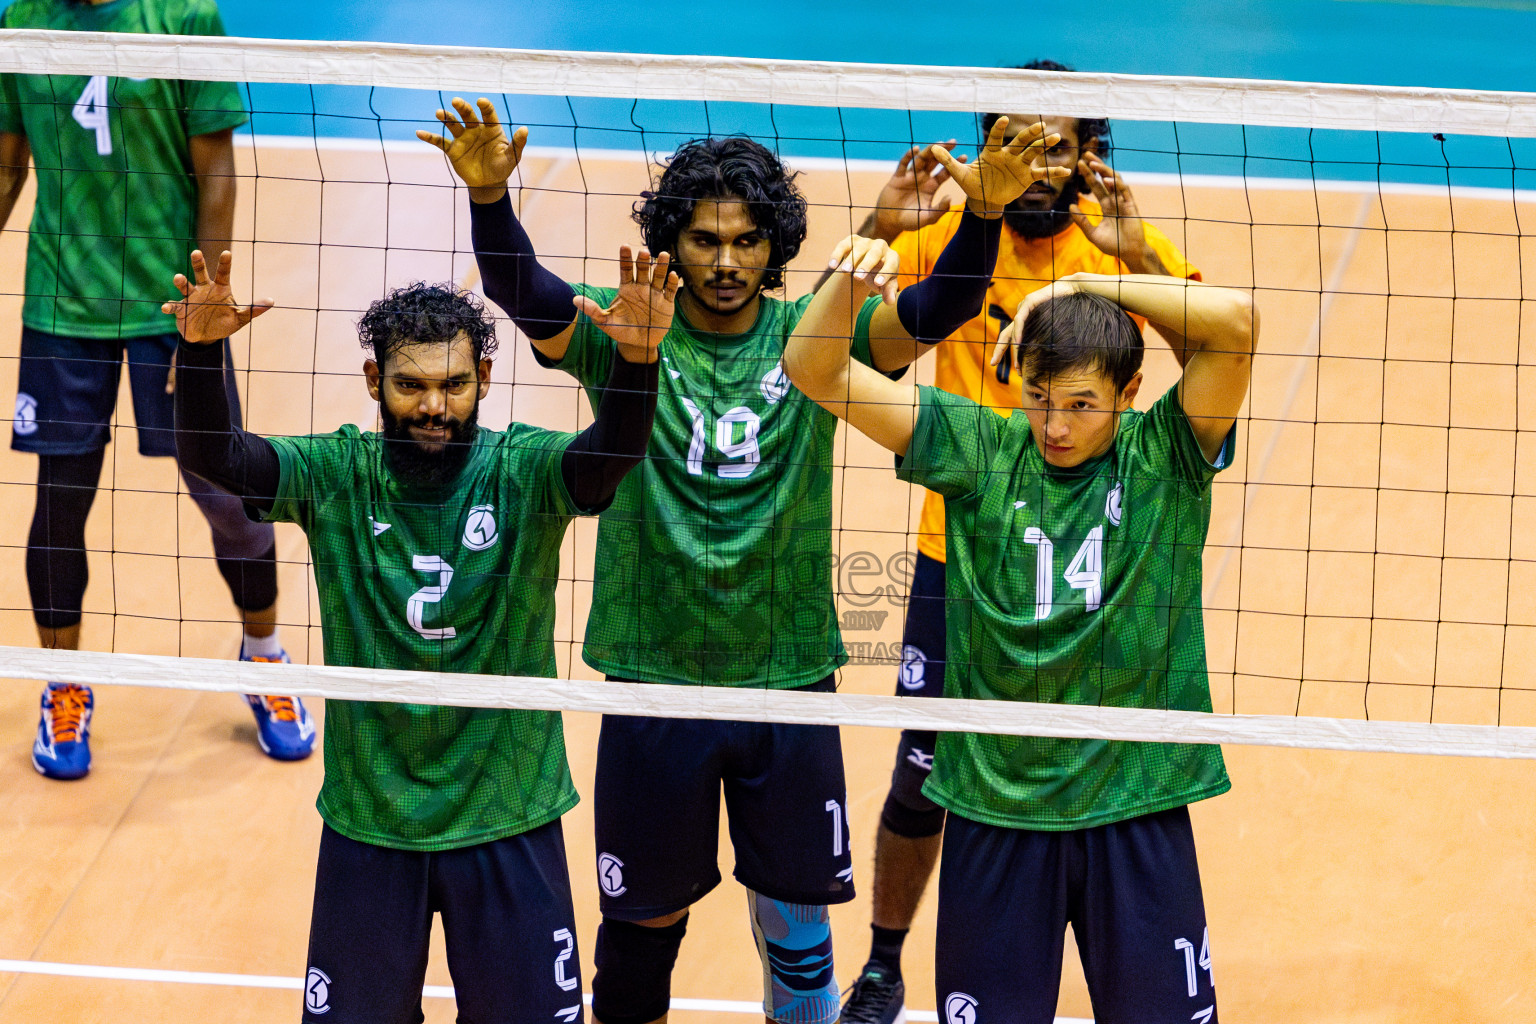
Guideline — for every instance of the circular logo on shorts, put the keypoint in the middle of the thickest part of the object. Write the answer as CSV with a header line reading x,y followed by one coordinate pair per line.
x,y
480,528
1112,505
317,991
960,1008
914,663
775,384
610,874
26,414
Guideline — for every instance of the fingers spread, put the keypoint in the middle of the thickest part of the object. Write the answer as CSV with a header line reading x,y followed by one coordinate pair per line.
x,y
660,271
436,140
592,309
947,159
673,283
465,111
487,112
626,265
221,273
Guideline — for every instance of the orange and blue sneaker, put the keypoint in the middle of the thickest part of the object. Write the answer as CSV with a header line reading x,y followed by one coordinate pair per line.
x,y
63,746
283,727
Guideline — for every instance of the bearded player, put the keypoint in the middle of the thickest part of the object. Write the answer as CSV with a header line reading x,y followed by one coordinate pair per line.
x,y
1086,223
1074,537
436,545
713,565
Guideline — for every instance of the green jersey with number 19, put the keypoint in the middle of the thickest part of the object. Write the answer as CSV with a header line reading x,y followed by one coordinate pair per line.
x,y
1070,586
714,564
115,214
453,579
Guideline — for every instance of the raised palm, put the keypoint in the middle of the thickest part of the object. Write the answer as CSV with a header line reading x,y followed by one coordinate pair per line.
x,y
1004,169
641,313
207,311
477,147
906,202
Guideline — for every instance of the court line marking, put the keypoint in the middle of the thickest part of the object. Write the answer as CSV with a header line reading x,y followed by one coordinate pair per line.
x,y
152,974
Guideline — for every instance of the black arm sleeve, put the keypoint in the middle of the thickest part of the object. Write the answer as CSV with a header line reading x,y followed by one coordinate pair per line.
x,y
208,442
536,300
940,303
598,457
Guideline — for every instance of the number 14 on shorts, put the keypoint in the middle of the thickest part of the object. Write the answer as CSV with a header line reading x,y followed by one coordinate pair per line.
x,y
1193,964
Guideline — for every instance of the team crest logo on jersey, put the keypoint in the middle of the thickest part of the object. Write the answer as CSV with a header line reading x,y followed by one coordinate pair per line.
x,y
1112,510
775,384
317,991
914,665
960,1008
26,415
610,875
480,528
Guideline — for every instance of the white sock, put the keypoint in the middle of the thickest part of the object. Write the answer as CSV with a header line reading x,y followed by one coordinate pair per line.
x,y
262,646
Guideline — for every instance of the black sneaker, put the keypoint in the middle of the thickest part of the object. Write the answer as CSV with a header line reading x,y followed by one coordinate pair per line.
x,y
878,997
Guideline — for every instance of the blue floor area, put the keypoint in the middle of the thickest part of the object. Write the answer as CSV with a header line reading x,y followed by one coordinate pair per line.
x,y
1479,44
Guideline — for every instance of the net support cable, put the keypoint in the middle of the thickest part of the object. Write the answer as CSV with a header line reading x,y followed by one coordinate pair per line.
x,y
759,80
664,700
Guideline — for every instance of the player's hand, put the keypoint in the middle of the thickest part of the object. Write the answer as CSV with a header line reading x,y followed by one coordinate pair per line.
x,y
477,147
207,311
870,262
1120,232
906,203
1008,337
1003,170
641,313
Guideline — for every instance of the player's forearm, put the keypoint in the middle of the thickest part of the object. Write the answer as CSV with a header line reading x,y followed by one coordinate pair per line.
x,y
213,167
869,229
1145,260
15,154
816,357
953,293
538,301
1210,318
208,442
597,460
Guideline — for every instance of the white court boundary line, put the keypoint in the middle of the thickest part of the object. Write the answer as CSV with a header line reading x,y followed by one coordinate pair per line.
x,y
758,80
656,700
297,984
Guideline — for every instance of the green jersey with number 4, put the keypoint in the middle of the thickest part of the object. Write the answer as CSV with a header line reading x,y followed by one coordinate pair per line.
x,y
1069,586
455,579
116,208
714,564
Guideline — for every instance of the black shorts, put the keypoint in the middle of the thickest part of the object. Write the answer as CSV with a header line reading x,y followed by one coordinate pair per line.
x,y
66,390
656,812
921,675
1130,890
507,920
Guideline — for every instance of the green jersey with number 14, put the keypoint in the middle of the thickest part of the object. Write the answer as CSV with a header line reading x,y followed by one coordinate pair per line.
x,y
714,564
1069,586
455,579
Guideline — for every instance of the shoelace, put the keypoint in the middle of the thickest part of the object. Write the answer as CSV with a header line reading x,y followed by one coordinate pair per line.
x,y
69,707
282,708
868,998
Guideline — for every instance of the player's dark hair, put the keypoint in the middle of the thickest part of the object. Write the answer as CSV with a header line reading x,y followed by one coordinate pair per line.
x,y
1087,127
1079,331
716,168
419,313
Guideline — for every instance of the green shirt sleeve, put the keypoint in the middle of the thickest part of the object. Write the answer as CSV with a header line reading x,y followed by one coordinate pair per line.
x,y
305,464
952,445
209,106
536,455
589,356
1165,431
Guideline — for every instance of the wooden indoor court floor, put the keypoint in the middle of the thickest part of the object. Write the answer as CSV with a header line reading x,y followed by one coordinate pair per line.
x,y
1383,534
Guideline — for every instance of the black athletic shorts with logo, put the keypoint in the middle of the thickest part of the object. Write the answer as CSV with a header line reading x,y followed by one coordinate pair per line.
x,y
656,811
507,919
1130,890
66,391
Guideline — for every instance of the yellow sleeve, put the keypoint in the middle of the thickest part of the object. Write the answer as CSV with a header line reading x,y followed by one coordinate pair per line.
x,y
1169,253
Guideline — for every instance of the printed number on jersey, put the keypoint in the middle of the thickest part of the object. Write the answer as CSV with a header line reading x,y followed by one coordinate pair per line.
x,y
1085,572
735,437
91,113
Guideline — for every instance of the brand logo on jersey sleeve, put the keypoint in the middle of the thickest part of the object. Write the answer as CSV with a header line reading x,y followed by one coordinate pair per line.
x,y
914,666
960,1008
26,415
378,527
776,384
1112,504
317,991
480,528
610,874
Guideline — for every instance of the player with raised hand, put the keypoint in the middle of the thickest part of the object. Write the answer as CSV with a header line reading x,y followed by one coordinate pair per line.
x,y
1084,221
1074,541
714,563
436,546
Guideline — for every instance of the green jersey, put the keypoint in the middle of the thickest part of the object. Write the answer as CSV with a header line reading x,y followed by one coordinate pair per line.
x,y
454,579
116,207
714,563
1069,586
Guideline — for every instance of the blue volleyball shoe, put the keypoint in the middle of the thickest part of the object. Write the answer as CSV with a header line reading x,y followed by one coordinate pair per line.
x,y
63,746
283,726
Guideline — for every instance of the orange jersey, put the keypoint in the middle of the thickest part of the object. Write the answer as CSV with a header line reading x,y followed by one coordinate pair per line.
x,y
1023,265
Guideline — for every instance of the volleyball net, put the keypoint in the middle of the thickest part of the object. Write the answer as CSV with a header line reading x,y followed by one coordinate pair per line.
x,y
1369,567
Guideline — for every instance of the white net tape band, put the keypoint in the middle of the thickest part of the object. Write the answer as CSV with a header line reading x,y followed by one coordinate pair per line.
x,y
748,80
756,705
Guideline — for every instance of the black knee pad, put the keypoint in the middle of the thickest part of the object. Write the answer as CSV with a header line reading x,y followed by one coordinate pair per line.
x,y
252,581
907,811
633,983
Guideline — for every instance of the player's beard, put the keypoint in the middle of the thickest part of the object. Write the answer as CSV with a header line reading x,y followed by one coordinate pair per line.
x,y
1051,221
412,462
